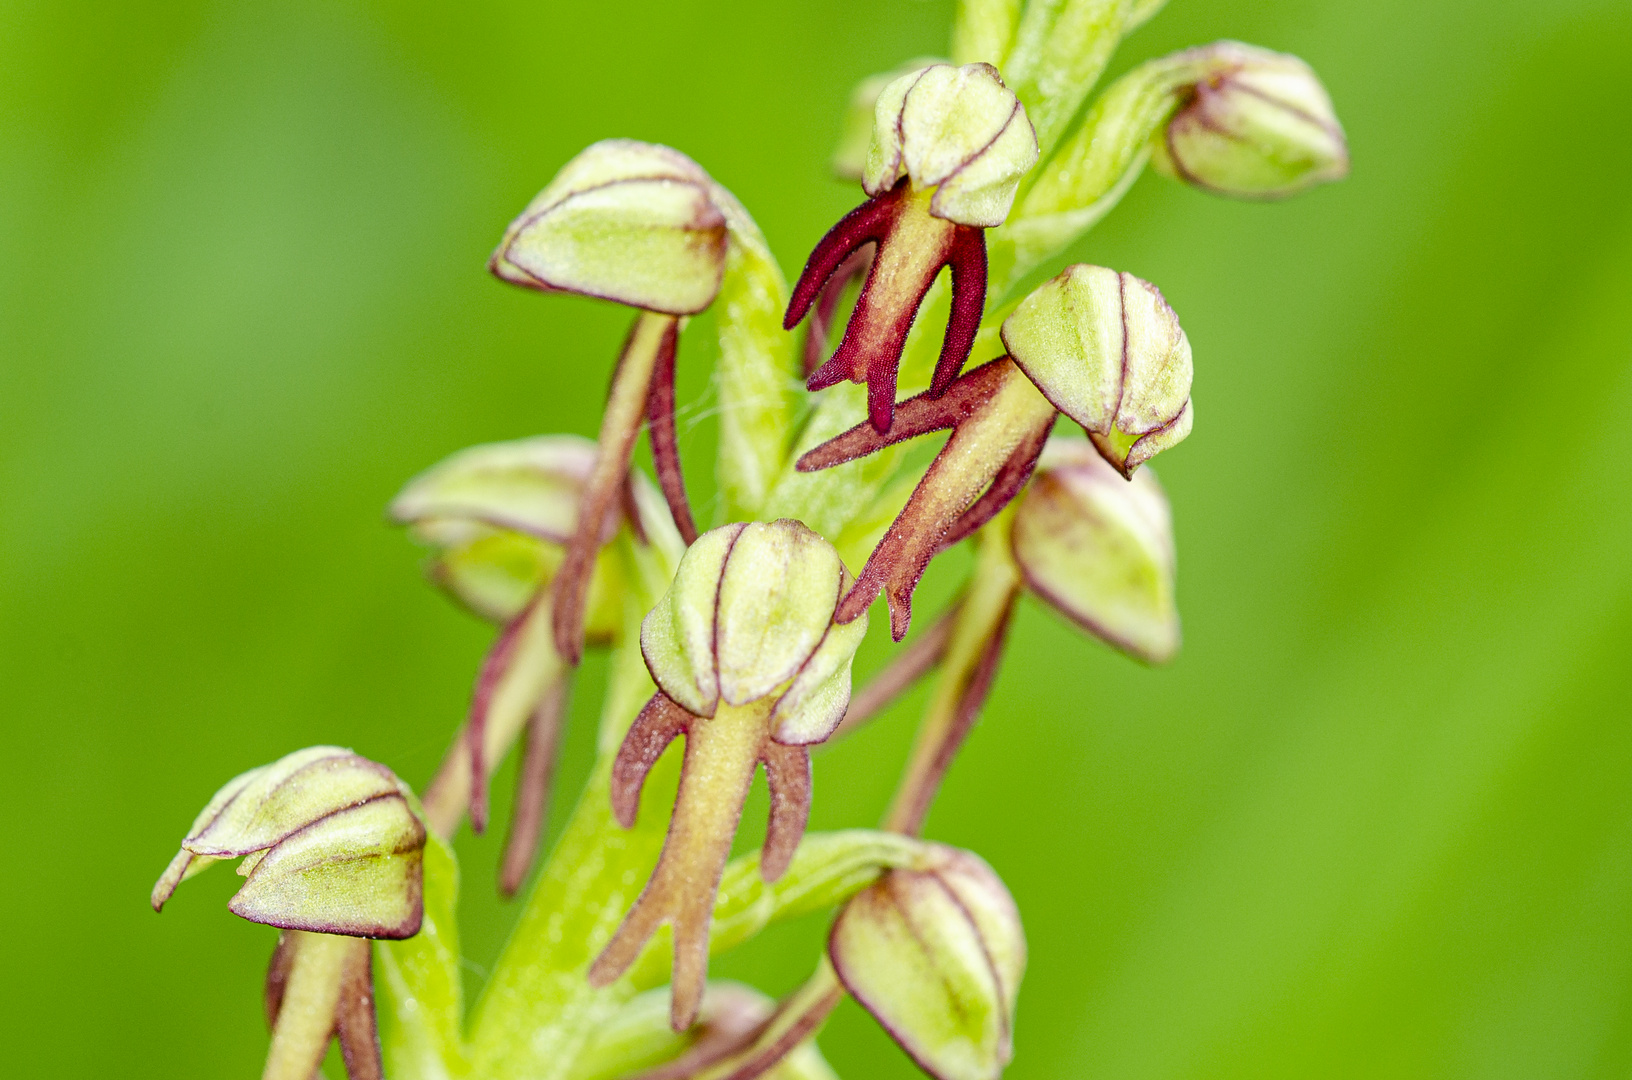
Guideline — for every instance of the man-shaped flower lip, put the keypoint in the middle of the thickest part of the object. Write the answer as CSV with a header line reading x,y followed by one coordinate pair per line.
x,y
949,148
632,222
750,668
1107,351
1103,348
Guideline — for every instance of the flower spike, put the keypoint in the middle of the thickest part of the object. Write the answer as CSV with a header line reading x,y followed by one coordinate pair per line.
x,y
949,147
751,669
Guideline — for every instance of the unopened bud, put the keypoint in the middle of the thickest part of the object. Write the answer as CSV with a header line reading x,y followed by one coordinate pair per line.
x,y
1261,126
1107,351
957,129
937,956
626,221
749,616
1099,549
329,842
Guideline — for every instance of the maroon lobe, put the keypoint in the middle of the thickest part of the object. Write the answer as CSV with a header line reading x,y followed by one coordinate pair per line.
x,y
660,722
787,771
866,224
968,262
354,1015
533,787
665,444
494,665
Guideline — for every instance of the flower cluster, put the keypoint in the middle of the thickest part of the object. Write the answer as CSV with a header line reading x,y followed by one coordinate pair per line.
x,y
739,640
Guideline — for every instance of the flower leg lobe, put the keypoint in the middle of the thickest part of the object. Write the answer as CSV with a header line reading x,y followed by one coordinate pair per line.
x,y
967,259
355,1022
721,755
495,665
533,783
827,305
866,224
659,723
665,443
787,771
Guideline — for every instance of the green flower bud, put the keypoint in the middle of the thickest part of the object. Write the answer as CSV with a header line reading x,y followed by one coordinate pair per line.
x,y
1100,549
956,129
626,221
750,616
1260,126
1107,351
330,844
937,956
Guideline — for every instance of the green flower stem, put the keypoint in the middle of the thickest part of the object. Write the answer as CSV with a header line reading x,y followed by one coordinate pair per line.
x,y
1092,170
756,375
971,657
538,1008
418,987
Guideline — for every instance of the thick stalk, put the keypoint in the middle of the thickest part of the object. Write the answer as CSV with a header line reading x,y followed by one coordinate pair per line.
x,y
966,676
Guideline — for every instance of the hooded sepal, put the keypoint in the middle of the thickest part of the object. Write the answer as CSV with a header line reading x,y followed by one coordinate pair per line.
x,y
626,221
1107,350
330,844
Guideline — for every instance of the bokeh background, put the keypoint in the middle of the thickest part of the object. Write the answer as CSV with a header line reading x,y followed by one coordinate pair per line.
x,y
1376,821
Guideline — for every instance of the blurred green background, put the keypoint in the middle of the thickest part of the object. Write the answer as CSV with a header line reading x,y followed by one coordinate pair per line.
x,y
1375,821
